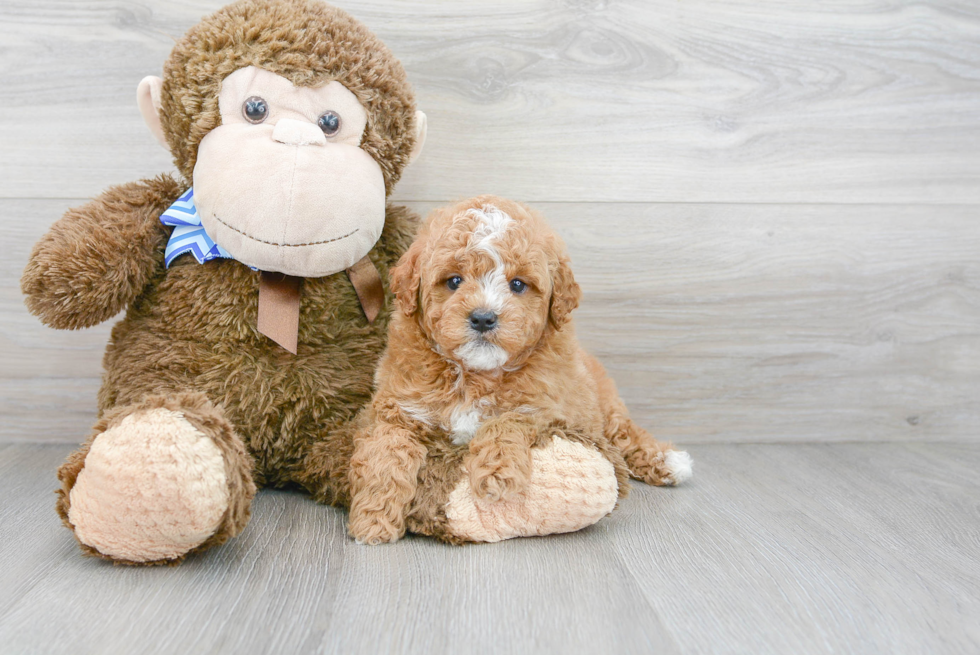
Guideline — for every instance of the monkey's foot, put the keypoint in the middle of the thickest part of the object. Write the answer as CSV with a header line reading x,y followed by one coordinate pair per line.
x,y
152,487
571,487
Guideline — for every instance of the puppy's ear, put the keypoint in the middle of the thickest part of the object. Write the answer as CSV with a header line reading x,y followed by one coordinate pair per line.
x,y
405,278
565,293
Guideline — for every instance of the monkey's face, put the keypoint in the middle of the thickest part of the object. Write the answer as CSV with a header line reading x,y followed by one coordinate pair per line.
x,y
282,183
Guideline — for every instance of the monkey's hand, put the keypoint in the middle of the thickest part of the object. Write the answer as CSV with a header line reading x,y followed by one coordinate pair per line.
x,y
95,260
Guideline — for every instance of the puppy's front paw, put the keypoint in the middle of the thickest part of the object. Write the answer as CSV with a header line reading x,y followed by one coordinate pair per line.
x,y
374,529
498,473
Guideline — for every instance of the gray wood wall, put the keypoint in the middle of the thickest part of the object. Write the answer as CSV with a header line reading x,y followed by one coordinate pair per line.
x,y
772,207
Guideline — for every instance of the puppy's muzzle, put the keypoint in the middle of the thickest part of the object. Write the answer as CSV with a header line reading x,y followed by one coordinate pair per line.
x,y
482,320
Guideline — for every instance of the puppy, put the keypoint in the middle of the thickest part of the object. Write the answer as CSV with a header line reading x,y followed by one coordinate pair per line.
x,y
481,352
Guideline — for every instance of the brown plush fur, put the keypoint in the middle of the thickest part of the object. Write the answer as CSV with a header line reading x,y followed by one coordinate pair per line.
x,y
192,327
546,385
188,340
93,262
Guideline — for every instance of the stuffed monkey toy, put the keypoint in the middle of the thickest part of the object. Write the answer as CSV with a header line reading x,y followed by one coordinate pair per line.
x,y
255,304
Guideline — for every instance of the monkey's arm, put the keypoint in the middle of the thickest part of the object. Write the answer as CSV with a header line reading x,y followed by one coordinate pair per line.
x,y
97,258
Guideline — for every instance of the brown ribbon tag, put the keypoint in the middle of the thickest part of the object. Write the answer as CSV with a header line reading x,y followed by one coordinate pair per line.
x,y
367,283
279,296
279,308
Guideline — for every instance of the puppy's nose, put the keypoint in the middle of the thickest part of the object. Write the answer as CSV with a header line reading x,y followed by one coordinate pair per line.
x,y
483,320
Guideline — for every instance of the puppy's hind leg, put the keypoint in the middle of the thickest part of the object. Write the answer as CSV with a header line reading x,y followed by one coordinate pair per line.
x,y
649,460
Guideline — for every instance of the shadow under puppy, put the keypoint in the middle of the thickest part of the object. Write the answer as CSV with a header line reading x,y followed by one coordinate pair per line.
x,y
482,352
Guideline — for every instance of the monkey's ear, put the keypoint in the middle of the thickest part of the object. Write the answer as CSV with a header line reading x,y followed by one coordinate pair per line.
x,y
148,99
421,127
565,293
405,279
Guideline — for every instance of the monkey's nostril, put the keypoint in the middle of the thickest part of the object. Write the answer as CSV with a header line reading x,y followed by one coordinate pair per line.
x,y
483,320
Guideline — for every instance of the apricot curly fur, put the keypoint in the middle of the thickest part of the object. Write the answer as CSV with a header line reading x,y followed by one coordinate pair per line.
x,y
547,386
499,461
644,455
383,472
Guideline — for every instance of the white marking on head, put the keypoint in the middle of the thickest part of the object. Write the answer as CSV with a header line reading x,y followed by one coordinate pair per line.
x,y
464,422
495,290
679,464
480,355
493,224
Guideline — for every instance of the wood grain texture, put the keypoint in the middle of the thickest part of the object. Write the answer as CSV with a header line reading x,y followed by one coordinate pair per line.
x,y
784,323
578,100
824,548
728,323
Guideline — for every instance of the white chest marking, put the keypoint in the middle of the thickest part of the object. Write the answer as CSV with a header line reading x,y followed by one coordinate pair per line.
x,y
464,422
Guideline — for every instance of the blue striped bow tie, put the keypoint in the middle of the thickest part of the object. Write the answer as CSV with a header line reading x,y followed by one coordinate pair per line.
x,y
189,235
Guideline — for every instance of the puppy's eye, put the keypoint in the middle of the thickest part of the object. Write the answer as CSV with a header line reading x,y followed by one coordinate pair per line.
x,y
454,282
255,109
518,286
329,122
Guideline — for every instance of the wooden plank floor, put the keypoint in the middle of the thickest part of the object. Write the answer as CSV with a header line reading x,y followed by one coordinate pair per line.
x,y
821,548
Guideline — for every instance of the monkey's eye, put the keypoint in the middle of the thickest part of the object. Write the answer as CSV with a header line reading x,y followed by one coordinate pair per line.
x,y
454,282
518,286
329,122
255,110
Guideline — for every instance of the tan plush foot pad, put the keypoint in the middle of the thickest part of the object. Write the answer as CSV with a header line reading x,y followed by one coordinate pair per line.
x,y
572,486
153,488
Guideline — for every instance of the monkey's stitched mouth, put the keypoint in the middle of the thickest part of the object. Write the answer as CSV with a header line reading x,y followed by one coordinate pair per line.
x,y
289,245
